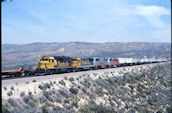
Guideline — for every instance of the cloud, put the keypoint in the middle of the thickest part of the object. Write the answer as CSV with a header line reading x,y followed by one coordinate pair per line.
x,y
153,10
87,20
152,14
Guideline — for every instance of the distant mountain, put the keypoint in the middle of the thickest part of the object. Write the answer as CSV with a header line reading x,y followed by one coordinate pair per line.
x,y
28,55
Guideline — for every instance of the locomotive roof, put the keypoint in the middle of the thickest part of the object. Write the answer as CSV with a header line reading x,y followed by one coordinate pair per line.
x,y
63,58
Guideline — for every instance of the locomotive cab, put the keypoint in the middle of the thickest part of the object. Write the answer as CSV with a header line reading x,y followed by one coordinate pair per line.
x,y
46,62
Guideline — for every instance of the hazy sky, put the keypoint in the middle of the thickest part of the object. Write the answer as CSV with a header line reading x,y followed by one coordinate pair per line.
x,y
29,21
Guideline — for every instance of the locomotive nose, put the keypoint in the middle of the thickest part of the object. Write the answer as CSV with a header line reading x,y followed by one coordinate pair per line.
x,y
41,64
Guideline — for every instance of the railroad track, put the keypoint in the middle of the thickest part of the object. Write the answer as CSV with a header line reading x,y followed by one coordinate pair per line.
x,y
24,79
6,77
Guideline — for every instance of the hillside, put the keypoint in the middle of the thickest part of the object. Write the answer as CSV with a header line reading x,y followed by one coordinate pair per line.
x,y
27,55
143,89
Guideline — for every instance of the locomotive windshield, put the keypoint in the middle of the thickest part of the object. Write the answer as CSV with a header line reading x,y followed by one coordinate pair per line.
x,y
44,59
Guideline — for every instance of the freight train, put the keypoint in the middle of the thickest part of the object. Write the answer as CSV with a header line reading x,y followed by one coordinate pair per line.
x,y
57,64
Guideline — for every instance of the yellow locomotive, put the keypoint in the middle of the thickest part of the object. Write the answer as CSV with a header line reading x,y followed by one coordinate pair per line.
x,y
55,64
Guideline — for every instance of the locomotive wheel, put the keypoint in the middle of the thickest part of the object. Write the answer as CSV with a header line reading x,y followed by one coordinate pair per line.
x,y
90,69
75,70
48,72
69,70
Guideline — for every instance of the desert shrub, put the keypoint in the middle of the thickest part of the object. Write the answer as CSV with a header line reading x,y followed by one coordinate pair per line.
x,y
30,101
115,80
99,91
81,82
110,81
95,74
77,78
46,94
151,100
86,83
50,98
71,79
47,85
34,81
84,75
5,88
51,83
88,75
66,101
9,93
131,87
129,80
79,87
65,78
137,78
59,98
42,99
160,110
45,108
97,109
41,86
75,103
26,99
58,109
27,83
64,93
84,90
62,82
94,84
169,109
5,108
30,93
12,88
22,93
105,73
164,83
141,86
11,101
140,89
73,90
53,92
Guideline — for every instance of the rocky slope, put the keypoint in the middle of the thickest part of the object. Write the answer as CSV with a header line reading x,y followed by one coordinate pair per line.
x,y
27,55
144,89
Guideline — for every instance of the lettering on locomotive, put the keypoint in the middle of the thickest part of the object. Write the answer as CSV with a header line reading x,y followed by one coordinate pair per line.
x,y
85,62
63,63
